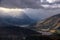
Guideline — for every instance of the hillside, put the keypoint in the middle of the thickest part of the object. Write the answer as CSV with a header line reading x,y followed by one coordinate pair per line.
x,y
11,32
49,23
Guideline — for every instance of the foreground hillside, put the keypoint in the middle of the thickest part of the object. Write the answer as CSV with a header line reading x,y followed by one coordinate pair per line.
x,y
11,32
49,23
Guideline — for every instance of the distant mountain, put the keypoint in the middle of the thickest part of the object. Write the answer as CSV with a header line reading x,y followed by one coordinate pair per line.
x,y
48,24
21,19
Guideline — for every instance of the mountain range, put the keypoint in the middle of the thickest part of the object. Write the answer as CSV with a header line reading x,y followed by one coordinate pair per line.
x,y
21,19
20,33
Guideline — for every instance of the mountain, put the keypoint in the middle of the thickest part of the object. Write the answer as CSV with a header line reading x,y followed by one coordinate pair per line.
x,y
10,32
50,23
18,19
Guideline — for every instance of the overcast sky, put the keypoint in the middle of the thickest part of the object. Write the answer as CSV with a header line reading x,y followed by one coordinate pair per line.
x,y
32,8
25,3
20,3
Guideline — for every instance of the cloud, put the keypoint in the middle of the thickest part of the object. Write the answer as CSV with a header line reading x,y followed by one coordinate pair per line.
x,y
51,4
35,14
30,4
21,3
11,12
39,14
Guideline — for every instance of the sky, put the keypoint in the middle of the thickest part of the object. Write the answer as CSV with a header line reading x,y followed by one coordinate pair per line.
x,y
27,3
33,8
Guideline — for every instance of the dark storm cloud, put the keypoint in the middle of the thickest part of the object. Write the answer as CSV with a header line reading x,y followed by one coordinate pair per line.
x,y
21,3
30,3
57,2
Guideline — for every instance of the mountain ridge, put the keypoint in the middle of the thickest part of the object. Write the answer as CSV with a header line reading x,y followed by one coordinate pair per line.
x,y
50,23
22,19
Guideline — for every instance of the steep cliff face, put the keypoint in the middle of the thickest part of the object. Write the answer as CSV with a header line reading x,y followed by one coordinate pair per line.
x,y
49,23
